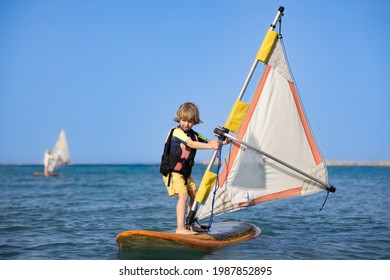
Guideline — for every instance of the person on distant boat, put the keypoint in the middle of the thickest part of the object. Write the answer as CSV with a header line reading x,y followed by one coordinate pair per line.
x,y
178,160
46,160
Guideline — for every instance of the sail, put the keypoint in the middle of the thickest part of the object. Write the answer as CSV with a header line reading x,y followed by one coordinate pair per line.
x,y
60,154
275,123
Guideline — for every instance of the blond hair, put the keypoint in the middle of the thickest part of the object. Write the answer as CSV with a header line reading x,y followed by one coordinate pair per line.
x,y
188,112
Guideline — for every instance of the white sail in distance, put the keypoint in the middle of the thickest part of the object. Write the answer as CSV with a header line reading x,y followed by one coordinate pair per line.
x,y
275,123
60,153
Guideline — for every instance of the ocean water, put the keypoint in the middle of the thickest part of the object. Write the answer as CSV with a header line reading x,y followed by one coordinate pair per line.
x,y
78,215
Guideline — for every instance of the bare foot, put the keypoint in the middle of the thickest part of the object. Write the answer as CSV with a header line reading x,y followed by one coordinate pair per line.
x,y
186,231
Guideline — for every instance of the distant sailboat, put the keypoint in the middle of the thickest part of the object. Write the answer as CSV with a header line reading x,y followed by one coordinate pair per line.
x,y
58,158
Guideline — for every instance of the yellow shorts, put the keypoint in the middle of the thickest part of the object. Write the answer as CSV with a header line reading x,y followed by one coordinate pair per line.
x,y
177,184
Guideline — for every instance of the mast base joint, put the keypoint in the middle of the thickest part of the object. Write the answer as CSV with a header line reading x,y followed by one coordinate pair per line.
x,y
220,132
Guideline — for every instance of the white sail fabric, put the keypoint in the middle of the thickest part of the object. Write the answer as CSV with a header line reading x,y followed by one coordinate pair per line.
x,y
276,124
60,154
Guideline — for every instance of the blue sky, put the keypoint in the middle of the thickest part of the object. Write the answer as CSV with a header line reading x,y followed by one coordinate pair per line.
x,y
112,73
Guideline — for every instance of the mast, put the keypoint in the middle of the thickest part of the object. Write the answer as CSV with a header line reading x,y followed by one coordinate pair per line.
x,y
279,14
191,216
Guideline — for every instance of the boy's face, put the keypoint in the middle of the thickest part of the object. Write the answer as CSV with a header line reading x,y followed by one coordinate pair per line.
x,y
186,125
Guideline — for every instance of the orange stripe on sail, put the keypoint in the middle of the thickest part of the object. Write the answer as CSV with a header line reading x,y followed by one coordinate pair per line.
x,y
274,196
244,126
313,146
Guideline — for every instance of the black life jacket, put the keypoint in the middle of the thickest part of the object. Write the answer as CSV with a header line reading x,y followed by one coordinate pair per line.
x,y
180,161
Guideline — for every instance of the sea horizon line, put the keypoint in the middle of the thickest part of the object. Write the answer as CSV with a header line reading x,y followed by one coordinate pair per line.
x,y
328,163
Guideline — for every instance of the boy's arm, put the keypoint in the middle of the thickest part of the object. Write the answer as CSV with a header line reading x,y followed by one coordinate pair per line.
x,y
211,144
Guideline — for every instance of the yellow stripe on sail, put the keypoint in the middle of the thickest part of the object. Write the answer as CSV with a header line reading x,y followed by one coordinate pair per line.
x,y
267,45
236,116
207,183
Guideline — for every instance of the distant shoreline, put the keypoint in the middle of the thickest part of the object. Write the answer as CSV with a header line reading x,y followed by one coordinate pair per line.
x,y
357,163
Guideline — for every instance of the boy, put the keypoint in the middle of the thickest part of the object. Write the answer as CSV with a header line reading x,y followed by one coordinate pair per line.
x,y
180,150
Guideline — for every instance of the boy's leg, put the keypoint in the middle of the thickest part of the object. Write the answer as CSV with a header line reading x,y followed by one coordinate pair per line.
x,y
180,214
191,189
178,187
191,194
